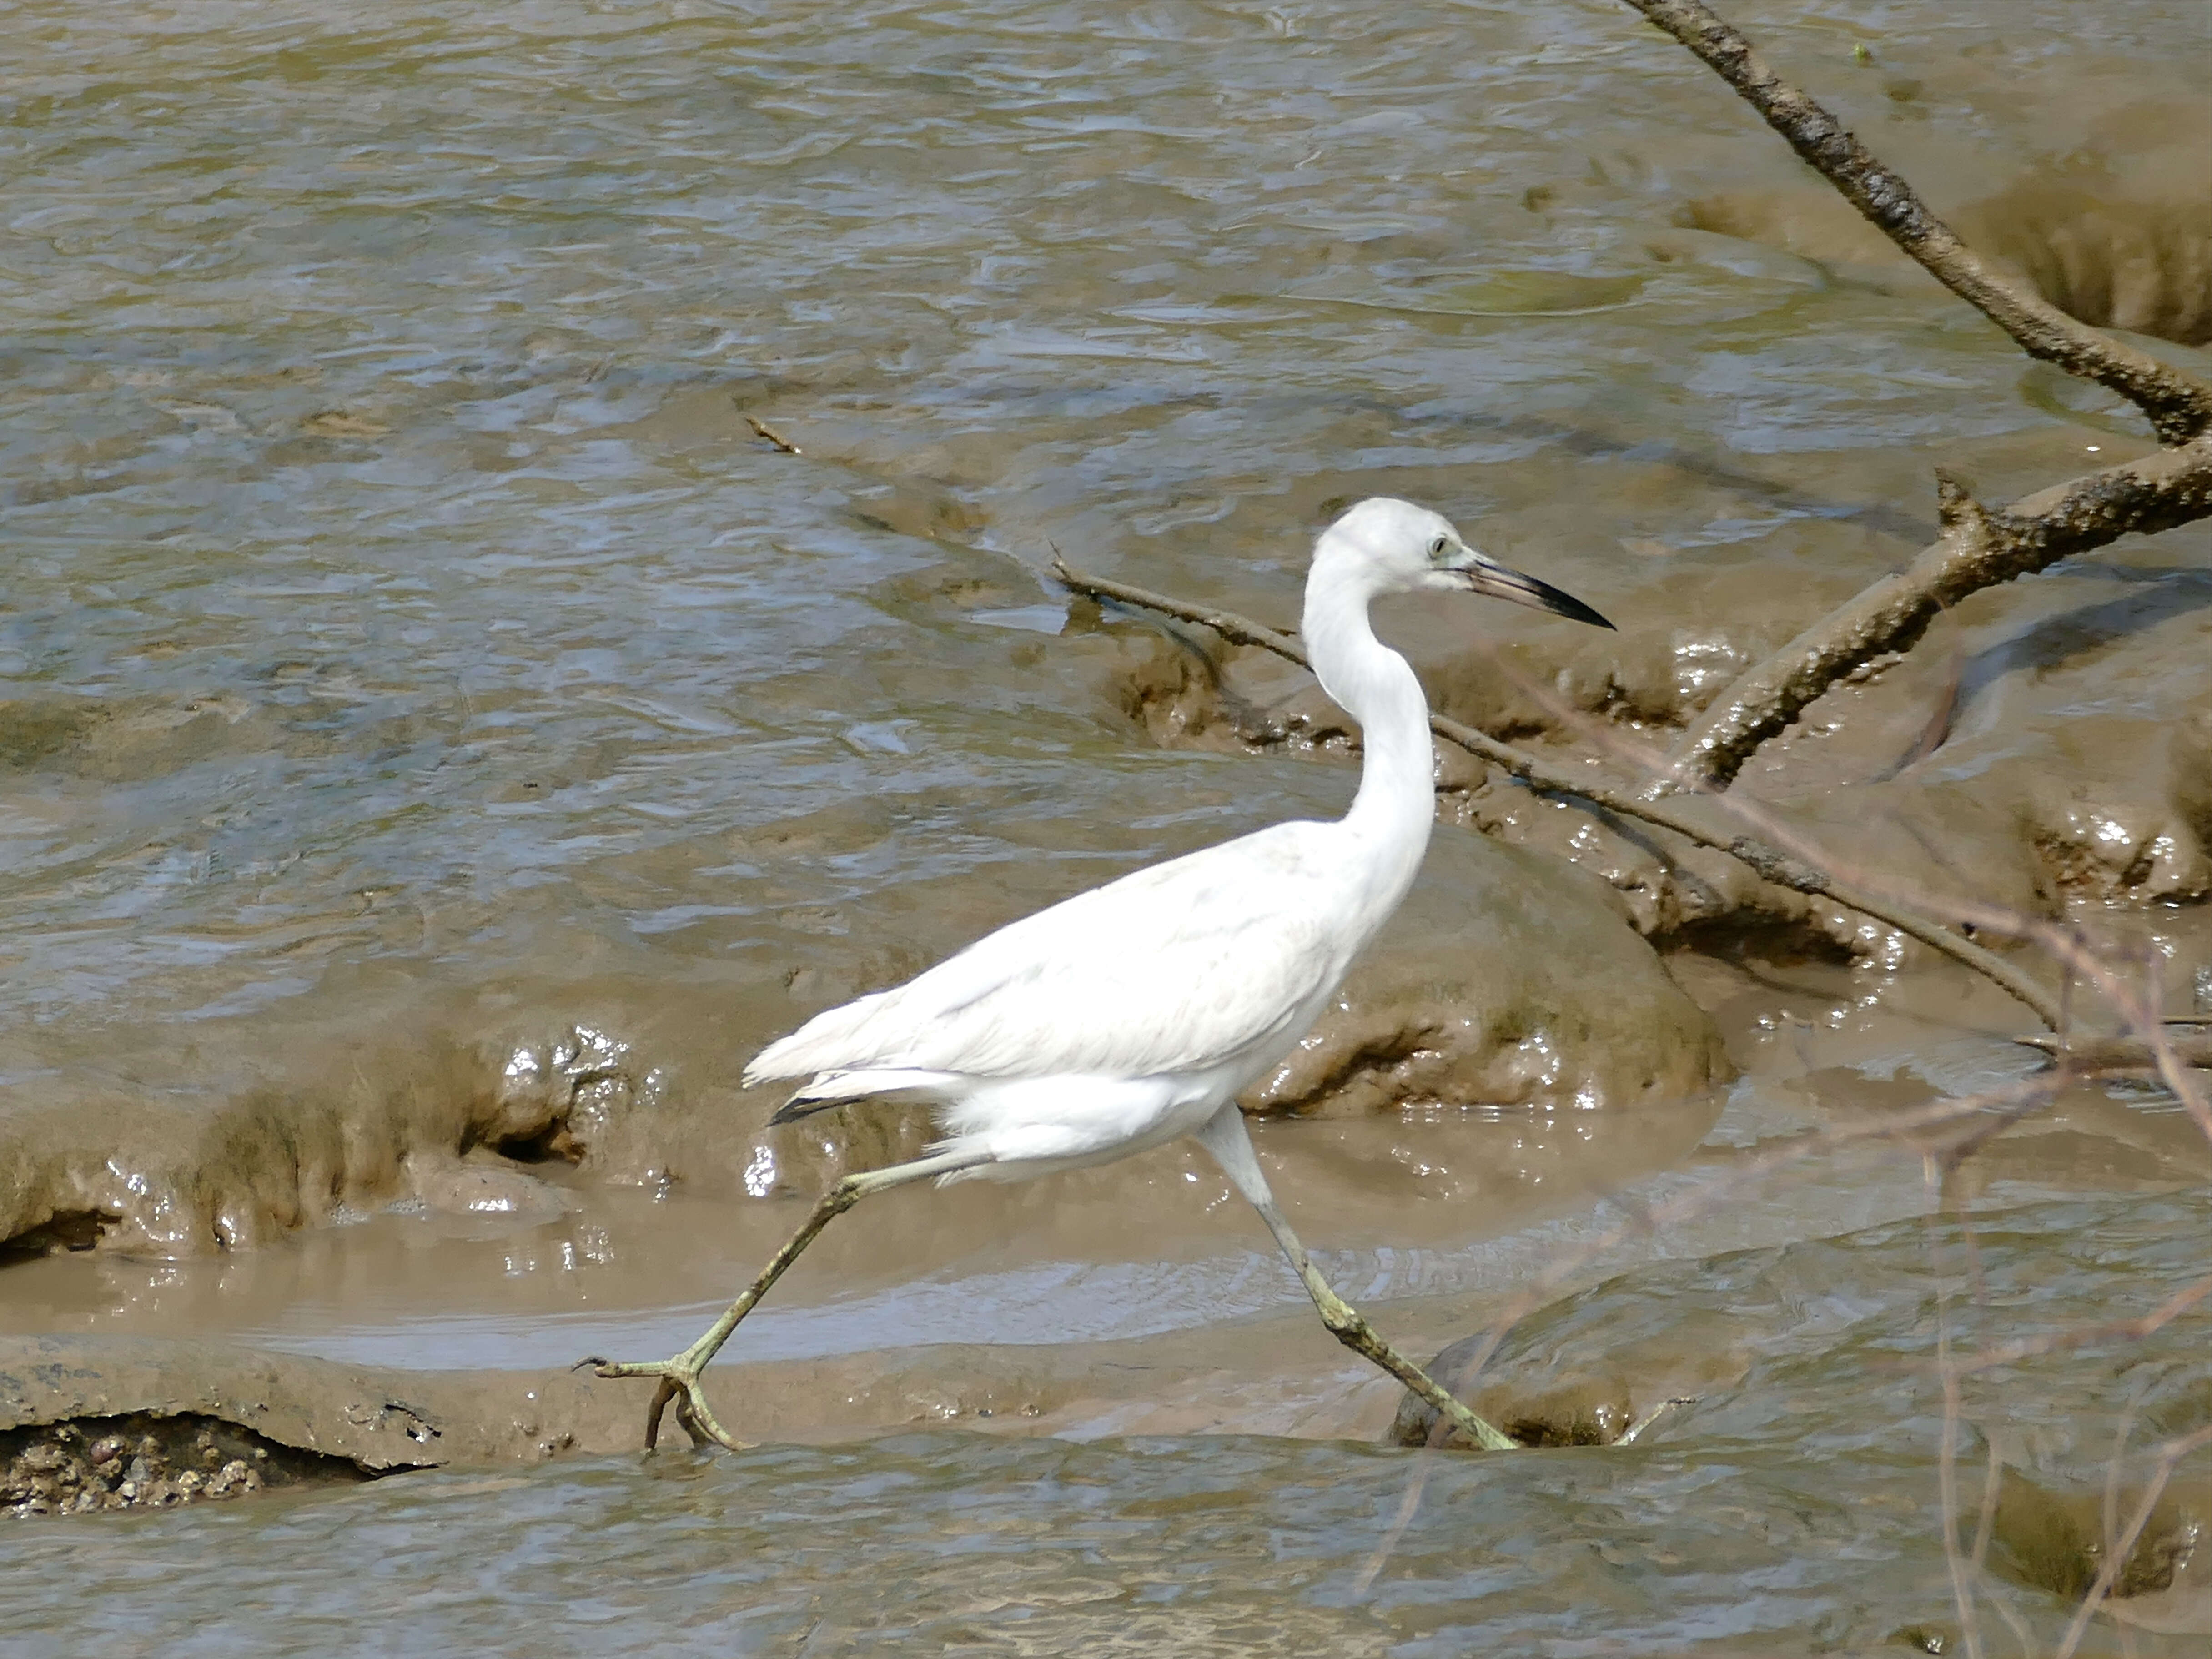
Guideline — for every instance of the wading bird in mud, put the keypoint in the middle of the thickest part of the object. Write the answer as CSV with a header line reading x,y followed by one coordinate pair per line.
x,y
1133,1014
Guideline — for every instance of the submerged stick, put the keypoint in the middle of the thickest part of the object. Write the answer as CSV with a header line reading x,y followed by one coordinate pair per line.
x,y
762,429
1768,862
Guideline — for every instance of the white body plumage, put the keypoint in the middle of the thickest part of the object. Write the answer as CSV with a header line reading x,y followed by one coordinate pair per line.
x,y
1133,1013
1130,1014
1114,1020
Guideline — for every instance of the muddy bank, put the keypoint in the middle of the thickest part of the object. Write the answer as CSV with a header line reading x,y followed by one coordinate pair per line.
x,y
2112,223
1511,981
71,1405
89,1423
439,738
1729,1336
1814,1399
139,1460
466,744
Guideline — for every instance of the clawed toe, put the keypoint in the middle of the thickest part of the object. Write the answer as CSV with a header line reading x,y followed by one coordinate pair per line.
x,y
611,1367
678,1384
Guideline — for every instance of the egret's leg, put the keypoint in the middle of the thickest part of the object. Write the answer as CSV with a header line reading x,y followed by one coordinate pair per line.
x,y
1225,1137
679,1377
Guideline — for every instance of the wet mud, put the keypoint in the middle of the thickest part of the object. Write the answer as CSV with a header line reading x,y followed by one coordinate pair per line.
x,y
1806,1374
442,738
1563,1007
2111,227
84,1465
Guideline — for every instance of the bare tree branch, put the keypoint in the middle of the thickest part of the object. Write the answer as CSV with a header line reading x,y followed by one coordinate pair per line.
x,y
1979,548
2121,1054
2179,407
1770,863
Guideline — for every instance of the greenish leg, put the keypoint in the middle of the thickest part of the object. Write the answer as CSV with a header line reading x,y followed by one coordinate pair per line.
x,y
678,1378
1225,1137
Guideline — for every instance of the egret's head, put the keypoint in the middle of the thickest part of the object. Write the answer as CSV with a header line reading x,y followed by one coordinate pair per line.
x,y
1409,549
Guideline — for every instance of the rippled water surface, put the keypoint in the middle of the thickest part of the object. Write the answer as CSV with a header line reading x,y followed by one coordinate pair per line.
x,y
391,557
412,655
1789,1515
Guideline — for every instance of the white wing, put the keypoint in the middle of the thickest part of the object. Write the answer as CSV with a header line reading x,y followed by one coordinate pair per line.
x,y
1170,969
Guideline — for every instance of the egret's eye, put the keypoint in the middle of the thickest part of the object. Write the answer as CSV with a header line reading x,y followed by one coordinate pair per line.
x,y
1439,547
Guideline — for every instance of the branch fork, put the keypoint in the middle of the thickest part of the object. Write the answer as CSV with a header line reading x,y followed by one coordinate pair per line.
x,y
1978,548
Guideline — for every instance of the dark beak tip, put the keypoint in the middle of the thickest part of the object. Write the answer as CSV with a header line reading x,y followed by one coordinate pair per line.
x,y
1522,588
1567,605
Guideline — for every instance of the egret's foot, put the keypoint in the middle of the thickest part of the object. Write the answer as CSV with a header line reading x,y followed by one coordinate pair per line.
x,y
678,1383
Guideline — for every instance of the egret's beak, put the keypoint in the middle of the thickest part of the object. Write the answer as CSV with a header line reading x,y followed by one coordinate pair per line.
x,y
1481,576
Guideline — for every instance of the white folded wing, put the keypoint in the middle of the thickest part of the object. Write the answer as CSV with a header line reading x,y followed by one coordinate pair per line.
x,y
1175,968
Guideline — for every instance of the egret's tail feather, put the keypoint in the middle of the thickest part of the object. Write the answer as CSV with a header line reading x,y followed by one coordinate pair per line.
x,y
834,1088
801,1105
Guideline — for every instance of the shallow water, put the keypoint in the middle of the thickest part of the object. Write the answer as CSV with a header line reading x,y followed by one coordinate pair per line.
x,y
1789,1510
412,662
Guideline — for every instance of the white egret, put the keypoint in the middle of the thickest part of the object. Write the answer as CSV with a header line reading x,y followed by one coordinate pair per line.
x,y
1133,1014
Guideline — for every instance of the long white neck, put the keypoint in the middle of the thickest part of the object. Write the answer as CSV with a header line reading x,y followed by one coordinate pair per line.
x,y
1392,814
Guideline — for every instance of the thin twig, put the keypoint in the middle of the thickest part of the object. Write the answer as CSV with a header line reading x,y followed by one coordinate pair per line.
x,y
1769,862
2119,1330
2121,1054
1637,1430
1947,1448
2179,407
2079,962
1986,1524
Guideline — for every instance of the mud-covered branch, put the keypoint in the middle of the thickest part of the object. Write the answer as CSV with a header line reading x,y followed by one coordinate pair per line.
x,y
1980,547
2178,406
1769,862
